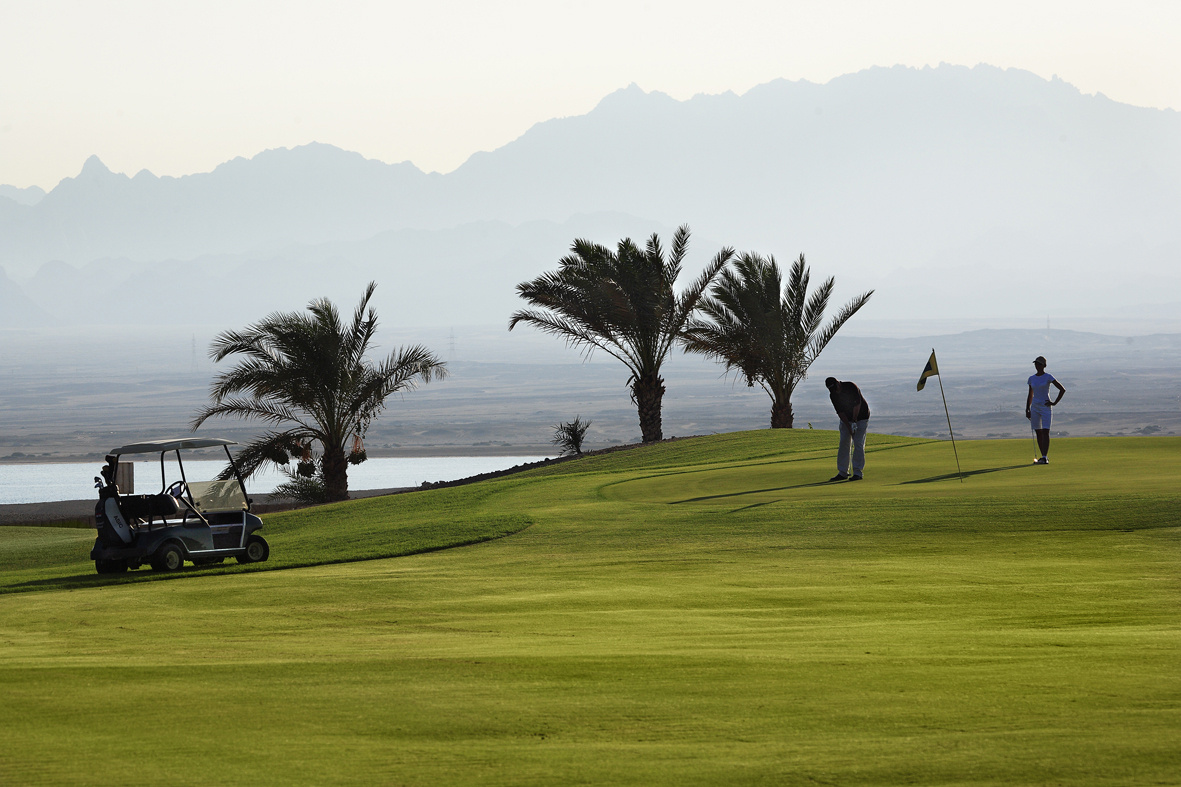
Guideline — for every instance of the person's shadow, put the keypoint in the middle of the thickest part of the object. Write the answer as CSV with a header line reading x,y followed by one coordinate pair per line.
x,y
745,492
952,476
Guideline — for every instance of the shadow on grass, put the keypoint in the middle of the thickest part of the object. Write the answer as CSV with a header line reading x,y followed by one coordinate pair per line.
x,y
750,492
930,480
88,580
953,476
92,579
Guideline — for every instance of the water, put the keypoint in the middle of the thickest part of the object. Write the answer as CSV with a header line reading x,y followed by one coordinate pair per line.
x,y
44,483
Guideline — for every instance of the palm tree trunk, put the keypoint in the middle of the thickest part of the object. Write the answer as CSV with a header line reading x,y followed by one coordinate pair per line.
x,y
647,392
336,474
781,414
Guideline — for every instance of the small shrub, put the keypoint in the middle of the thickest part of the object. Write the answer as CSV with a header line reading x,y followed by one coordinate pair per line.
x,y
569,436
302,488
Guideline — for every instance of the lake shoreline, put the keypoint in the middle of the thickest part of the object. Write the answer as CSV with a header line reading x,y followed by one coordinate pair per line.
x,y
58,512
409,452
62,511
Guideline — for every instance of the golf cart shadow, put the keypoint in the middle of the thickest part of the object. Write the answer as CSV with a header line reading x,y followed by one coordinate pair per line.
x,y
89,579
955,476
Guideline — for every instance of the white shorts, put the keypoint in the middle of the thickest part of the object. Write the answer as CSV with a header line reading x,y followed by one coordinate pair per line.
x,y
1040,417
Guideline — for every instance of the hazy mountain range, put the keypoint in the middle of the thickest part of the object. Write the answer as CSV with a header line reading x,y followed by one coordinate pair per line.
x,y
26,196
954,191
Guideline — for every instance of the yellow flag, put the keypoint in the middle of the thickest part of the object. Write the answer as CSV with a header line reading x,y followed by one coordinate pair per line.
x,y
930,370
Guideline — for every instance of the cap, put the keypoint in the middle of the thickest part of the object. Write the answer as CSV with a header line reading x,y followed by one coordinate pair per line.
x,y
1040,359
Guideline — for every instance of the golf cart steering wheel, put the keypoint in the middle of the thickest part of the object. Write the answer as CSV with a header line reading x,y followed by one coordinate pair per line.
x,y
177,490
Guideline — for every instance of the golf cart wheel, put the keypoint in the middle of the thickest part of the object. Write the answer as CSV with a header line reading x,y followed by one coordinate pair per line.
x,y
257,550
168,558
110,566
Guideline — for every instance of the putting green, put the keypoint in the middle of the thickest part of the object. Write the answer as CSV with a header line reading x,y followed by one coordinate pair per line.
x,y
702,611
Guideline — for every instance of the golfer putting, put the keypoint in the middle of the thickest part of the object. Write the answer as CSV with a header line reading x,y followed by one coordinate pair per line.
x,y
1038,406
853,411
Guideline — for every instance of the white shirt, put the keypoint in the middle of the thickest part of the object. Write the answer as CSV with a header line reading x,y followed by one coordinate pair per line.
x,y
1040,383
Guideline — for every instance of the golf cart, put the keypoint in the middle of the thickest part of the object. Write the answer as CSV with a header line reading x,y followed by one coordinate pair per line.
x,y
202,522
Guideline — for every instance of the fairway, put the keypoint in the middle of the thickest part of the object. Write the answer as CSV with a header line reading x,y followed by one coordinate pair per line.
x,y
705,611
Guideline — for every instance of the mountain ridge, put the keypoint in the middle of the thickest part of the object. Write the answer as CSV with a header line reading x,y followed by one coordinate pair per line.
x,y
921,182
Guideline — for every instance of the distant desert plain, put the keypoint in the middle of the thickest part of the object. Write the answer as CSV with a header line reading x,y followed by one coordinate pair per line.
x,y
75,395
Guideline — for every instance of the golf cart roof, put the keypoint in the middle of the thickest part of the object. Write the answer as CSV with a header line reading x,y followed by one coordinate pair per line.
x,y
156,446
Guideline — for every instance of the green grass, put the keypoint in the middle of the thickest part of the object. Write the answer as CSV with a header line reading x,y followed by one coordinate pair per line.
x,y
34,558
696,612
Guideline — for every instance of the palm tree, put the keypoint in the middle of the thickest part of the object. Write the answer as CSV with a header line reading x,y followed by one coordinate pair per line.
x,y
768,338
621,302
308,373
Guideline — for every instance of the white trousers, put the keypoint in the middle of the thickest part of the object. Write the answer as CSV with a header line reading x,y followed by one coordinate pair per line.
x,y
1040,417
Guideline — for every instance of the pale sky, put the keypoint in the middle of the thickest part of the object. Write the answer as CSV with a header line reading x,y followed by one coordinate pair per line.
x,y
180,87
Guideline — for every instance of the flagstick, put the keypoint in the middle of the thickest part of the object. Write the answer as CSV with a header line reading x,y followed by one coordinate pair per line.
x,y
950,431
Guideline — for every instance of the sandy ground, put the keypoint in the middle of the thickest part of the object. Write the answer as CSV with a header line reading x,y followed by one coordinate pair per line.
x,y
34,513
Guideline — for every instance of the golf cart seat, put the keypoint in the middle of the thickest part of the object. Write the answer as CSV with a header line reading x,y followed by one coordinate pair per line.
x,y
160,506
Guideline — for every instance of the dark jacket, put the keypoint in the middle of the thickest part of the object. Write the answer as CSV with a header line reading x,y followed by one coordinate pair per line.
x,y
846,398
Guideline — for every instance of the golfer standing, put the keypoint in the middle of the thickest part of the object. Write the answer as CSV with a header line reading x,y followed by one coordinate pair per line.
x,y
1038,404
853,411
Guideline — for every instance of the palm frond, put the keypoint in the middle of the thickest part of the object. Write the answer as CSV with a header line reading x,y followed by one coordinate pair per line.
x,y
687,302
248,409
361,331
680,246
264,450
820,340
813,312
576,335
